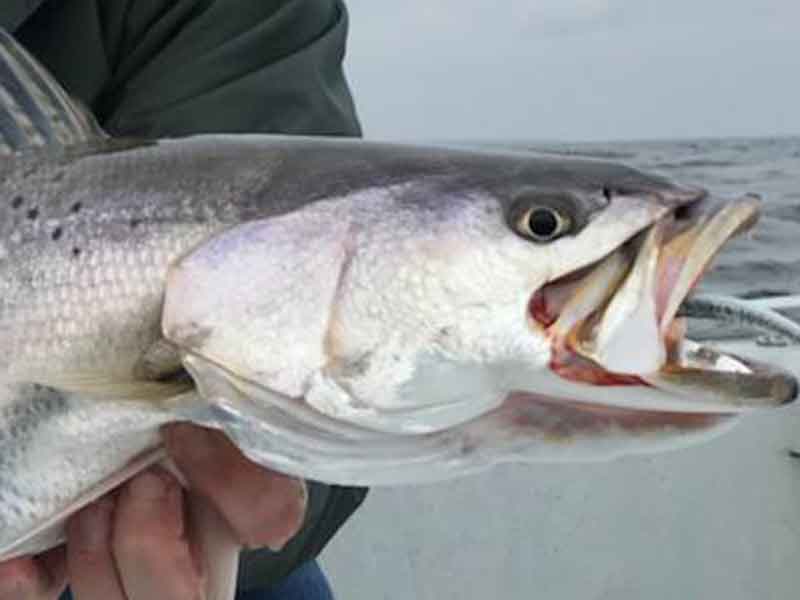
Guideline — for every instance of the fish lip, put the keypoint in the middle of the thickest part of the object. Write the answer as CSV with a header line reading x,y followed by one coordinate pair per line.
x,y
791,382
707,203
691,208
682,196
783,384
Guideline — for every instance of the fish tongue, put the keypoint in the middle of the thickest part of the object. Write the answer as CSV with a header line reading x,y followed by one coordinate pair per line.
x,y
626,339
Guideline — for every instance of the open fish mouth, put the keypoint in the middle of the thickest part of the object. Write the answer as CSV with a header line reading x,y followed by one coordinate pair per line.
x,y
615,329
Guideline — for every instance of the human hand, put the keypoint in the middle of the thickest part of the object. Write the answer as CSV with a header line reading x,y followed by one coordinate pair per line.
x,y
137,543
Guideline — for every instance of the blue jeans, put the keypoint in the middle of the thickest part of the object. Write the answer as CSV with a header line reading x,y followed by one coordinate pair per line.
x,y
307,582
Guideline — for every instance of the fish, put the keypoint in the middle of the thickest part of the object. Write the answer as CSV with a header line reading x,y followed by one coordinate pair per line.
x,y
349,311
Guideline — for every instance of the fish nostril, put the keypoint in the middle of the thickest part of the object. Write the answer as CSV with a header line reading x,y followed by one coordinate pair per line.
x,y
682,213
688,203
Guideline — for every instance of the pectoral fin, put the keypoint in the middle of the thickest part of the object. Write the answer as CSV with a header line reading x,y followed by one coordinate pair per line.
x,y
103,387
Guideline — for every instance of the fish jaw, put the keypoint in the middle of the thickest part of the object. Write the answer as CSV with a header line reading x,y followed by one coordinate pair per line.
x,y
628,359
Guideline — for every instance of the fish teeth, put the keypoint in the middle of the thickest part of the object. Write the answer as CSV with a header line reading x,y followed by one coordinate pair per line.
x,y
626,339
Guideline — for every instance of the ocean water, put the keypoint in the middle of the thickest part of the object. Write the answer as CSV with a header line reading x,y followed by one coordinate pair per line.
x,y
766,261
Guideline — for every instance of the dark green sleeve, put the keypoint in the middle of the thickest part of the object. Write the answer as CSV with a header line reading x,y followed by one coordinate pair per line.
x,y
160,68
14,12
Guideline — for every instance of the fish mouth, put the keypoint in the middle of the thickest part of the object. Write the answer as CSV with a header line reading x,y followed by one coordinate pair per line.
x,y
614,325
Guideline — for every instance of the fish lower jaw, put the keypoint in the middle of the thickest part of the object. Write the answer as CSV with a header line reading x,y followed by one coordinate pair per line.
x,y
689,377
724,380
695,379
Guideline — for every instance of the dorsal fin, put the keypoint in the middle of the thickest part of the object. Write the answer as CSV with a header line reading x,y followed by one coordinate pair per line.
x,y
35,111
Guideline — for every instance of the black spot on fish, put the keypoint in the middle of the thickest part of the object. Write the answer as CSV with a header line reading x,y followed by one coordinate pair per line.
x,y
17,202
57,176
76,252
56,235
76,207
33,214
134,223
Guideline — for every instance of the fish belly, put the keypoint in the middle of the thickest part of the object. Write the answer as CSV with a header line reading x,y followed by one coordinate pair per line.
x,y
58,452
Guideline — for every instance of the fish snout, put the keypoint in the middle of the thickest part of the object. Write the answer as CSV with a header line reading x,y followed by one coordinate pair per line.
x,y
708,205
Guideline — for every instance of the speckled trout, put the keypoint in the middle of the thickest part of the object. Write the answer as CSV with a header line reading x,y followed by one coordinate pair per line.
x,y
347,311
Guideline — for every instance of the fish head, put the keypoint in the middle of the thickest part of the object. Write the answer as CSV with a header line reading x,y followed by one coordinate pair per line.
x,y
624,377
418,304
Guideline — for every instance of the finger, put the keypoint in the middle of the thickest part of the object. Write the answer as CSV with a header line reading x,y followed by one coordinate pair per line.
x,y
264,508
154,556
33,578
92,572
54,564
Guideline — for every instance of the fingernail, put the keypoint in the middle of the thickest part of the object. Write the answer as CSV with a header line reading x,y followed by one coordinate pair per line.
x,y
94,524
198,557
275,546
148,486
302,493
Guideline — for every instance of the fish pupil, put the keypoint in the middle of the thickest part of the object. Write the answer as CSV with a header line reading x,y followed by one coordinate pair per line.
x,y
543,223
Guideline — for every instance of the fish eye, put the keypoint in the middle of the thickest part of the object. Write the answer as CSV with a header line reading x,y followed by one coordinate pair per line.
x,y
543,223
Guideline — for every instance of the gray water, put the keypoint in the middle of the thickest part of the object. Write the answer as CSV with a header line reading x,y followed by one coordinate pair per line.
x,y
767,260
716,521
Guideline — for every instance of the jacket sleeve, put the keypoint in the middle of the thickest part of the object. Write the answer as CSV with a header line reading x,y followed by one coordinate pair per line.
x,y
189,66
14,12
177,67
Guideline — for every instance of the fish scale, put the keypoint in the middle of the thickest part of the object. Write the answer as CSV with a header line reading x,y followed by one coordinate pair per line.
x,y
34,296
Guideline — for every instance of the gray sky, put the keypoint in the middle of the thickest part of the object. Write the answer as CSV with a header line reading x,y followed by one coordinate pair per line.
x,y
575,69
